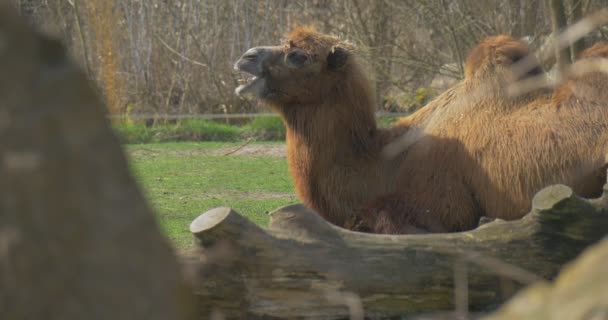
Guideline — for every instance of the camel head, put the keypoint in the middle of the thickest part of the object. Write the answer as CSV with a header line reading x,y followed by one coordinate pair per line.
x,y
494,58
302,71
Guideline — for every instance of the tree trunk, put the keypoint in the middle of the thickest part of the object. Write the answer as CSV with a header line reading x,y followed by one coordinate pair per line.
x,y
302,267
77,239
576,7
81,37
559,23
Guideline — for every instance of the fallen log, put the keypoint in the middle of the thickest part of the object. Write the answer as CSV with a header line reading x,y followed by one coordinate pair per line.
x,y
303,267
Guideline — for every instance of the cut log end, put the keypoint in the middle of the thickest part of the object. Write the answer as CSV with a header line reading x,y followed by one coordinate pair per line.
x,y
550,197
209,220
302,223
225,224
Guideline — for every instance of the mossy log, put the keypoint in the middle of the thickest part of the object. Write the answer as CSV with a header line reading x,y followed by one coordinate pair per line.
x,y
303,267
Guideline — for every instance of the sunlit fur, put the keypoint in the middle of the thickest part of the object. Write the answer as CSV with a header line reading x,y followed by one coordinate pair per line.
x,y
484,152
480,151
332,139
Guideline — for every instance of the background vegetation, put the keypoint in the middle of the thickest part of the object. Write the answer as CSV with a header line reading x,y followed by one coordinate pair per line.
x,y
159,57
260,129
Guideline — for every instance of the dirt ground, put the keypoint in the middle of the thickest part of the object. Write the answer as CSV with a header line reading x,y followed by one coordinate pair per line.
x,y
250,150
275,151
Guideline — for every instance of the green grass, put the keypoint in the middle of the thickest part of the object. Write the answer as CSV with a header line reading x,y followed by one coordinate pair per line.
x,y
187,130
183,180
261,129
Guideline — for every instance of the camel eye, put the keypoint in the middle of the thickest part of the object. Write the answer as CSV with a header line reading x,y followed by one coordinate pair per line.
x,y
297,59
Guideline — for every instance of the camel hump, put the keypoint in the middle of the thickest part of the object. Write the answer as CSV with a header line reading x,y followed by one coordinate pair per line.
x,y
497,51
598,50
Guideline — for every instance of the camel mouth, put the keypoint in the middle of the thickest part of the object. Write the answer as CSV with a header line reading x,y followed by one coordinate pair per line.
x,y
250,84
252,68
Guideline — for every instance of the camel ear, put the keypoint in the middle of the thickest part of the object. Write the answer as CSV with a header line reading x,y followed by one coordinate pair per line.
x,y
337,58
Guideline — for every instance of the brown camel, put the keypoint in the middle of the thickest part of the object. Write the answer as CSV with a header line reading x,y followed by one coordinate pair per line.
x,y
474,150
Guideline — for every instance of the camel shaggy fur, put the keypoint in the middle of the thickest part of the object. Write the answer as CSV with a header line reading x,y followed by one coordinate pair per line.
x,y
475,150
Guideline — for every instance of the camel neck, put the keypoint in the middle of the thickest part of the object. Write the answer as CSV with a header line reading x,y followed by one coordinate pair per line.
x,y
322,129
326,152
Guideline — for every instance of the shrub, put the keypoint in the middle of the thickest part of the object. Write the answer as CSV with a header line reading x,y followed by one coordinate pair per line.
x,y
266,128
263,129
386,122
129,132
205,130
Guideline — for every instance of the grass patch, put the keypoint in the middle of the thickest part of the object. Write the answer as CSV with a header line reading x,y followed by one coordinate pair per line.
x,y
198,130
187,130
183,180
266,128
133,132
261,129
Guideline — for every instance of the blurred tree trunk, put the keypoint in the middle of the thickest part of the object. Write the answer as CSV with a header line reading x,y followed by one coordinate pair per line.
x,y
77,238
559,23
18,6
83,44
576,14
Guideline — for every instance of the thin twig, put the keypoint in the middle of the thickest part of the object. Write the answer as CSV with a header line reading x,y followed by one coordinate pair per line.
x,y
179,54
505,269
239,148
350,299
576,70
563,40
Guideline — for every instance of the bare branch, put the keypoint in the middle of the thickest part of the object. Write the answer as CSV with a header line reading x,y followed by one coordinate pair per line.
x,y
194,62
576,70
563,40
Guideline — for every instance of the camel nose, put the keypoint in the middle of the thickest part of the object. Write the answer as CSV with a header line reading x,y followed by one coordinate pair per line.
x,y
254,57
250,56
